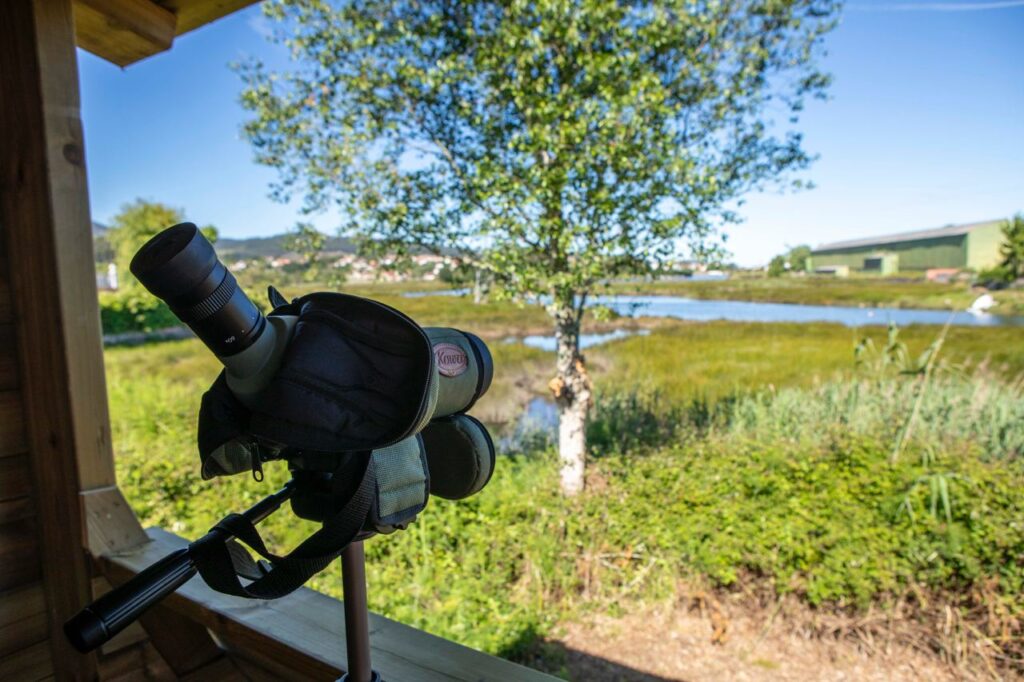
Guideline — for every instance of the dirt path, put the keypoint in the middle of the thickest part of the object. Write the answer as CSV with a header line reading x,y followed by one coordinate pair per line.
x,y
677,644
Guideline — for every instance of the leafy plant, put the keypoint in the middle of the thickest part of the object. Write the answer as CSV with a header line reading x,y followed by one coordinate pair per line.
x,y
134,310
1012,249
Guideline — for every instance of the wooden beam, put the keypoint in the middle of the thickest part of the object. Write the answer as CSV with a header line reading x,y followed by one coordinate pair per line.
x,y
127,31
8,351
305,631
195,13
19,553
32,663
186,645
12,424
111,525
44,213
123,31
22,619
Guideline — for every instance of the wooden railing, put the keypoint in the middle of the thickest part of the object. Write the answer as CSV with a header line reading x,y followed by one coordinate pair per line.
x,y
301,636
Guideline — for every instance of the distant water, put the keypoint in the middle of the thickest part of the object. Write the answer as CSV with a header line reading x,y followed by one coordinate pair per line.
x,y
438,292
747,311
586,340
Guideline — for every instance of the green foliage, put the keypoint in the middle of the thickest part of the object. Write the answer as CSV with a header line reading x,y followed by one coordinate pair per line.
x,y
777,266
136,224
581,139
995,277
782,479
798,256
794,260
308,242
631,421
1012,249
555,144
133,310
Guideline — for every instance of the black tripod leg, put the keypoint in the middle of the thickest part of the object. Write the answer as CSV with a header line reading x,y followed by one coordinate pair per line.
x,y
357,622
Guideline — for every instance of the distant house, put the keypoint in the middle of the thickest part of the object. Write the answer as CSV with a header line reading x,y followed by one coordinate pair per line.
x,y
974,246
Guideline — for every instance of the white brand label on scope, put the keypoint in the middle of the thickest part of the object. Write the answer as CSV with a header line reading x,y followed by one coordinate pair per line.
x,y
451,360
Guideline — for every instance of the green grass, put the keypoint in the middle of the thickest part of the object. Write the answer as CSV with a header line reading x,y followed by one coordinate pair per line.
x,y
684,360
735,454
867,291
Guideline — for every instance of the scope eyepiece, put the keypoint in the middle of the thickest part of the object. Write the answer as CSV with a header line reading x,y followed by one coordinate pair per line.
x,y
180,267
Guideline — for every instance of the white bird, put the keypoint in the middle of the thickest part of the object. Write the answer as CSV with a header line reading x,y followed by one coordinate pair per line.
x,y
982,303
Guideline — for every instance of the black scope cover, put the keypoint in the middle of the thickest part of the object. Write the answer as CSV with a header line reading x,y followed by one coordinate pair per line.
x,y
180,267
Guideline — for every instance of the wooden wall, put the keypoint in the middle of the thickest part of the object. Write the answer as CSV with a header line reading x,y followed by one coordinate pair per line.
x,y
24,632
52,397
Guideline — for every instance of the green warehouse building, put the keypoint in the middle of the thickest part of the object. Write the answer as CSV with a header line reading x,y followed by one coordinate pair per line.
x,y
965,247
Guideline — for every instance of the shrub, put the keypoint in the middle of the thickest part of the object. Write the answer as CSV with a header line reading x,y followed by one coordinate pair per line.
x,y
789,489
134,310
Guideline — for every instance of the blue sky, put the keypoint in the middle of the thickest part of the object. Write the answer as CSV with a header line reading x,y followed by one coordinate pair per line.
x,y
925,127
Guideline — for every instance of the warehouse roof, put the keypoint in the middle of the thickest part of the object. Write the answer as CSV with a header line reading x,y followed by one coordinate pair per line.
x,y
934,233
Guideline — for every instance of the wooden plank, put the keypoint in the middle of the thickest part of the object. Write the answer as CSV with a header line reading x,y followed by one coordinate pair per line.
x,y
221,670
19,554
54,246
127,31
16,509
274,663
8,350
15,477
123,31
6,303
12,423
44,209
32,663
186,645
22,618
139,662
255,672
195,13
306,630
110,522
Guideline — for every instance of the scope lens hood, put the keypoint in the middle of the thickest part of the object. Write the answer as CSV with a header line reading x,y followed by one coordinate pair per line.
x,y
180,267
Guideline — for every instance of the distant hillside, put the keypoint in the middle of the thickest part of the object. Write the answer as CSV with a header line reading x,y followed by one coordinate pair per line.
x,y
263,247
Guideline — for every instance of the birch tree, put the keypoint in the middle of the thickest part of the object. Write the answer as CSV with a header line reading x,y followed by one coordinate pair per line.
x,y
562,143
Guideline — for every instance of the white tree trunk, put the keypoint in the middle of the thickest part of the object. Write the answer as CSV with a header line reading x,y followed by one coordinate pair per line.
x,y
572,446
571,388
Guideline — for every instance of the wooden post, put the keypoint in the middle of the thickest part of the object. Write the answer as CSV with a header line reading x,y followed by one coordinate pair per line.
x,y
44,214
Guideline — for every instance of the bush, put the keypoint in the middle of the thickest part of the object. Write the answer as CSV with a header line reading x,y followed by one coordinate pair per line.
x,y
788,489
134,310
997,277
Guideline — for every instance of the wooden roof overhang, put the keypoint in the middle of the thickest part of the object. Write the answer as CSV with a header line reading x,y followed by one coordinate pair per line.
x,y
58,489
126,31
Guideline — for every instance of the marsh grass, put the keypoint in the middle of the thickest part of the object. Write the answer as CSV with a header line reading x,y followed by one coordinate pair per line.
x,y
714,359
738,455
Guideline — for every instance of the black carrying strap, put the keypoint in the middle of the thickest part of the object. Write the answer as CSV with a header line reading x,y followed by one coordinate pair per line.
x,y
213,554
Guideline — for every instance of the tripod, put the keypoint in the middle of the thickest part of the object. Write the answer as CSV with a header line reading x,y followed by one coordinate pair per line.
x,y
100,621
357,615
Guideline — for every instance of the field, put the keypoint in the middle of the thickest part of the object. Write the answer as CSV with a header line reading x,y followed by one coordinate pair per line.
x,y
729,459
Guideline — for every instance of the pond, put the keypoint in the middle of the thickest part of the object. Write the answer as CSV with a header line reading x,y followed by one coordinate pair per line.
x,y
586,340
698,310
746,311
